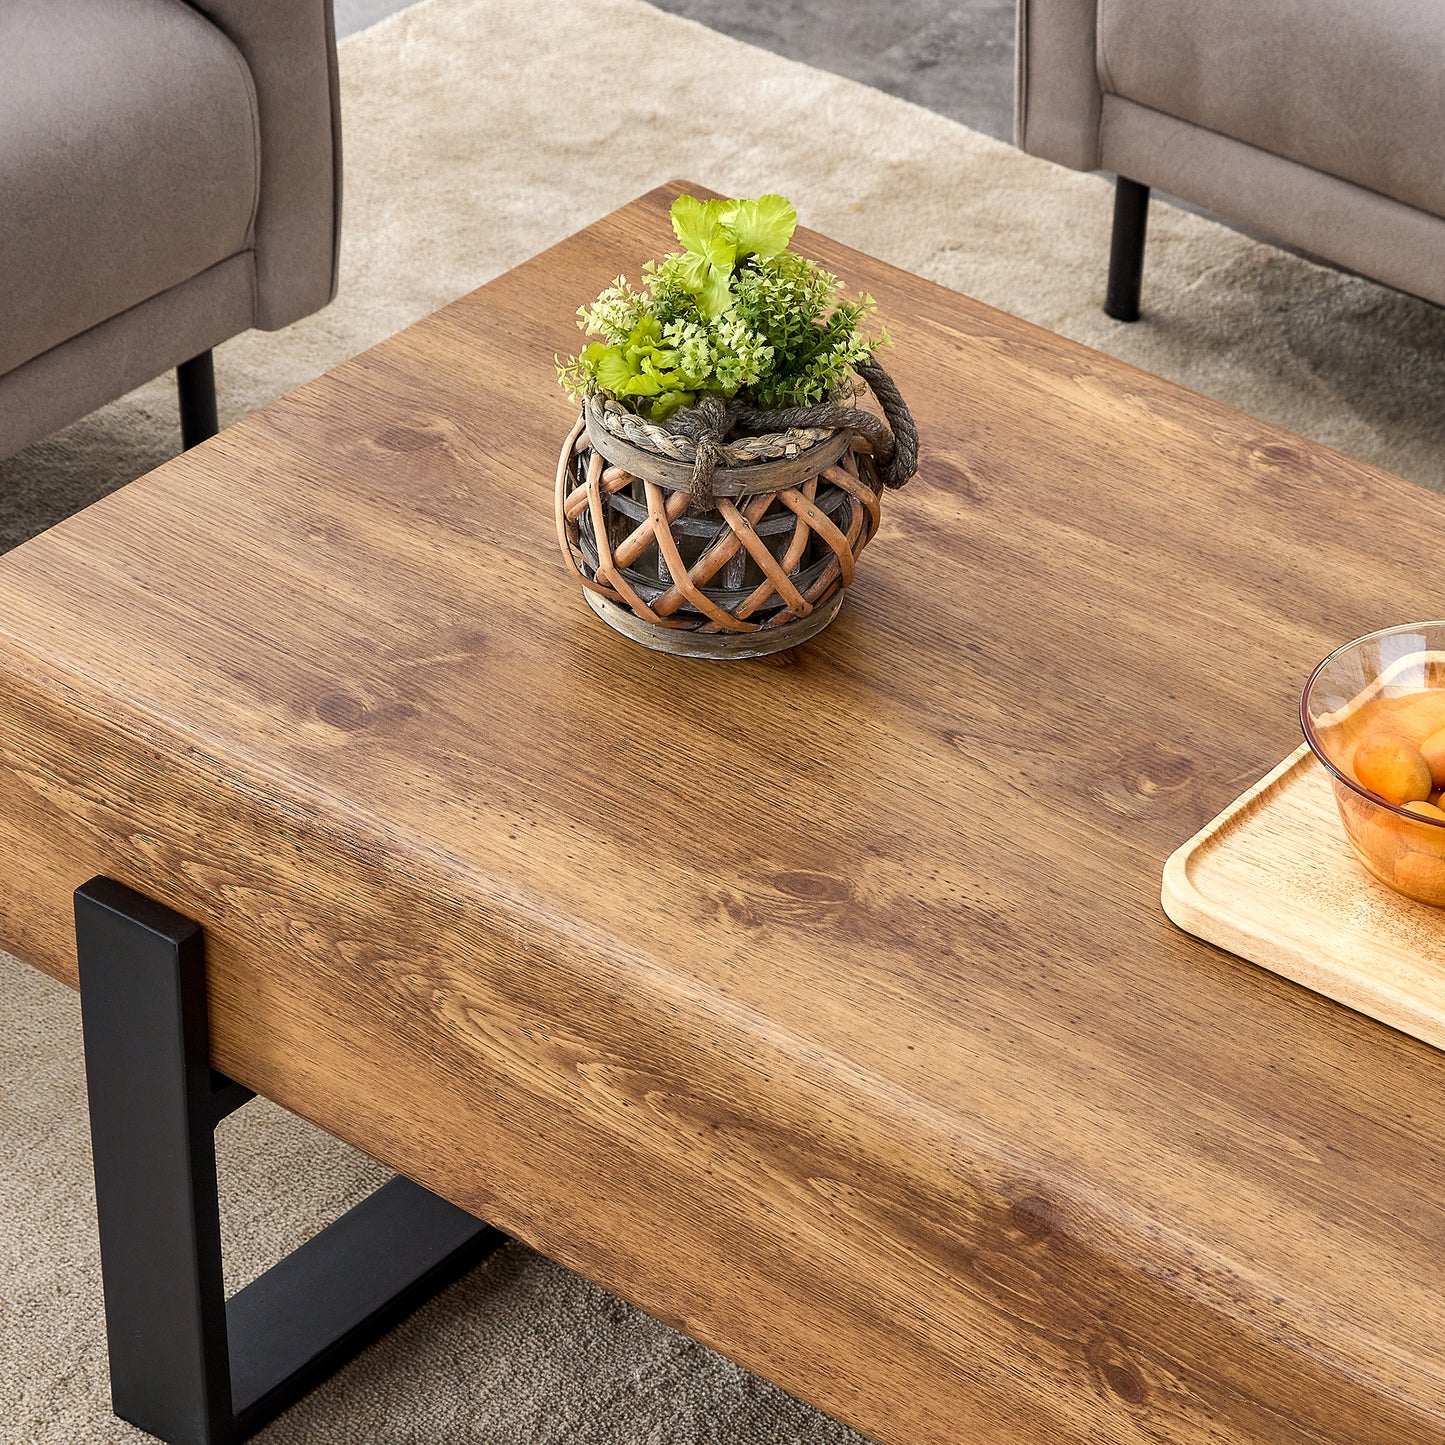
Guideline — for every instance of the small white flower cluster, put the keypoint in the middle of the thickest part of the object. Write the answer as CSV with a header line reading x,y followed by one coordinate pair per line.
x,y
726,349
615,312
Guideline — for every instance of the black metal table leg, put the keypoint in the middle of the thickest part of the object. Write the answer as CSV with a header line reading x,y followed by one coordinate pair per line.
x,y
196,393
1126,250
186,1364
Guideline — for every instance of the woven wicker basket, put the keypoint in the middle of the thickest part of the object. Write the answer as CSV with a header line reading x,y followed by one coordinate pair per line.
x,y
757,566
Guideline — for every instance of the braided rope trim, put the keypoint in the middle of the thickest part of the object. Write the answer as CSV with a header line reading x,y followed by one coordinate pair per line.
x,y
698,433
772,446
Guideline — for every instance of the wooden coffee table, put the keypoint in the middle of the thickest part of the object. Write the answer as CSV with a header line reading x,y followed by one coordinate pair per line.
x,y
825,1010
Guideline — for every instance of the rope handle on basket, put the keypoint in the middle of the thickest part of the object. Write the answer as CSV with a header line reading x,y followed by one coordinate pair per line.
x,y
894,442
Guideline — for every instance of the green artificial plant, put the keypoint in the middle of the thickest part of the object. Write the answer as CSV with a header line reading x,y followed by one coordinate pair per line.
x,y
734,314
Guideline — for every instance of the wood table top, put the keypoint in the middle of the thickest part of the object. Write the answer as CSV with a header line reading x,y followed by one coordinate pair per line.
x,y
825,1007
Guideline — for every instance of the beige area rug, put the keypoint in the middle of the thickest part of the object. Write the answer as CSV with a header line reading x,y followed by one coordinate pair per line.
x,y
477,132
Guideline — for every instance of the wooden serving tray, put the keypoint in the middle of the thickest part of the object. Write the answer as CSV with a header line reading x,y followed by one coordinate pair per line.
x,y
1273,880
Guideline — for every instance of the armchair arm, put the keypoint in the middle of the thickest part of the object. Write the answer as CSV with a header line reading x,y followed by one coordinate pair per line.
x,y
290,47
1058,99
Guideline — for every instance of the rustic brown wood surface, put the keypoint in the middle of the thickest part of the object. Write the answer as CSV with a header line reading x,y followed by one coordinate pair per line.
x,y
1273,878
826,1010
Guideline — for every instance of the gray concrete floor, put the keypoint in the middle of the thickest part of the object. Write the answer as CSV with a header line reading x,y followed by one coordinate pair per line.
x,y
953,56
354,15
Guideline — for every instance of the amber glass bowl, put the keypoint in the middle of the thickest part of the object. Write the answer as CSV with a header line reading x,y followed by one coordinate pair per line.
x,y
1391,682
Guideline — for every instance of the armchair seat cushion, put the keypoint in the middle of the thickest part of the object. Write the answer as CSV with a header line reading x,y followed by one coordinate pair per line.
x,y
128,161
1353,88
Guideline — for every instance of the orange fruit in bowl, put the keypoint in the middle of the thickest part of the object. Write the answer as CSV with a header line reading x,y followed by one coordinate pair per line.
x,y
1424,837
1422,876
1379,841
1393,769
1415,716
1433,751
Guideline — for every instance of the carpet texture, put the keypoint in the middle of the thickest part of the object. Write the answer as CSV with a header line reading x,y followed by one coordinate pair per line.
x,y
478,132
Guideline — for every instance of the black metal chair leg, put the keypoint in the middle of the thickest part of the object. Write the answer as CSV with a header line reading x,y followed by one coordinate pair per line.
x,y
196,390
1126,251
186,1364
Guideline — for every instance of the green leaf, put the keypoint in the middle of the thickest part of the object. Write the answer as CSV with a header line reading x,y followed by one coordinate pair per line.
x,y
693,271
716,296
710,284
610,367
762,227
691,221
699,226
665,405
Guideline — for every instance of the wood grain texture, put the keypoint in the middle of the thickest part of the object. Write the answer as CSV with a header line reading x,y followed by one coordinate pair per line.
x,y
1274,880
825,1010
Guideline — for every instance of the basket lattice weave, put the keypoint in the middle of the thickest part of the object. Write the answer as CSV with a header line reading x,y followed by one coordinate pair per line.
x,y
763,537
639,544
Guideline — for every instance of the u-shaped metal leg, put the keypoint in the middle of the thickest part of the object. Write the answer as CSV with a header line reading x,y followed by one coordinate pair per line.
x,y
186,1364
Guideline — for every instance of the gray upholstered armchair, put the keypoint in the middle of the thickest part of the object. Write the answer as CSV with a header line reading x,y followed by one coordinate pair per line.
x,y
1321,124
169,176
